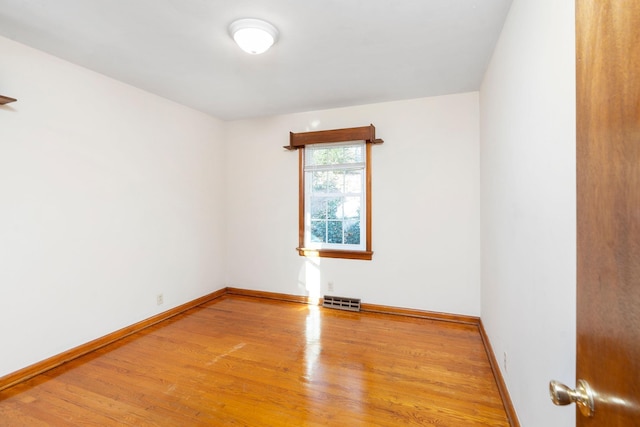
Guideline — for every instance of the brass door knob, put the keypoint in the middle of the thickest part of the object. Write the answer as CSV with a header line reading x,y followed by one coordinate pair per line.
x,y
581,396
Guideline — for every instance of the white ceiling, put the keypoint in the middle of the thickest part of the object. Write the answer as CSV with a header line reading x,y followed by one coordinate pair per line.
x,y
331,53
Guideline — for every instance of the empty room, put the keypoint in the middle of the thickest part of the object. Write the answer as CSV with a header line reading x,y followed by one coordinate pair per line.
x,y
382,213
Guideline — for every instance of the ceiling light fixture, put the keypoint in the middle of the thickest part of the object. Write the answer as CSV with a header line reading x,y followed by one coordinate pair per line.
x,y
254,36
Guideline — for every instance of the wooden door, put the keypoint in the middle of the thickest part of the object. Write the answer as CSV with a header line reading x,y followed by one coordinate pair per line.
x,y
608,186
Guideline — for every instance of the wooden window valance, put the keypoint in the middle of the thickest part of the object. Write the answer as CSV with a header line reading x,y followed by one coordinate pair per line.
x,y
364,133
6,99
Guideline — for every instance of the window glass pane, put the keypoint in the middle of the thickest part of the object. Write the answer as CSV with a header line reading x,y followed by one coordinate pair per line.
x,y
352,232
335,181
353,182
334,208
318,181
323,156
351,207
353,154
318,208
334,155
318,156
318,231
334,231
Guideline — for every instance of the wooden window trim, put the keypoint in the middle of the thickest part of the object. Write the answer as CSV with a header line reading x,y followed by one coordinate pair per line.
x,y
364,133
300,140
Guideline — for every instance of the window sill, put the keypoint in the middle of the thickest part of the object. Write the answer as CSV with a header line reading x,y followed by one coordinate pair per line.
x,y
335,253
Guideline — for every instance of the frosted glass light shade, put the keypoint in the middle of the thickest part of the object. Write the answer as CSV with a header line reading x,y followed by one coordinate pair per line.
x,y
254,36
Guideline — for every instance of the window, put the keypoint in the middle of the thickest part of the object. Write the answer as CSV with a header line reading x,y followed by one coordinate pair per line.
x,y
335,196
335,192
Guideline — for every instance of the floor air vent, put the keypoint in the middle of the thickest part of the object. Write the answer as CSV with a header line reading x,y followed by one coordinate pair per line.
x,y
341,303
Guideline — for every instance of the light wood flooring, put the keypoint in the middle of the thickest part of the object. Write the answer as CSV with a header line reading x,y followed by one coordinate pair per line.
x,y
247,361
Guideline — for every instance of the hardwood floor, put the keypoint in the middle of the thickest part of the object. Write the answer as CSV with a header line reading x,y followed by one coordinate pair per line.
x,y
255,362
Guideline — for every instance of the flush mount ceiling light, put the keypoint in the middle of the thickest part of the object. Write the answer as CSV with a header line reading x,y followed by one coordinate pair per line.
x,y
254,36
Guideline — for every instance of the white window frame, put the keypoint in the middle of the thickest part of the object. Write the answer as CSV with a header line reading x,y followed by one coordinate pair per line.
x,y
310,194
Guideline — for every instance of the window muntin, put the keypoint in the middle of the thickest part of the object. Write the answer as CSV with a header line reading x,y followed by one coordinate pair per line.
x,y
335,196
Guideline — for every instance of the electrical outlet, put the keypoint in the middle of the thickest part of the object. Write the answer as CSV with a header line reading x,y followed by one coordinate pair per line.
x,y
160,299
504,361
330,286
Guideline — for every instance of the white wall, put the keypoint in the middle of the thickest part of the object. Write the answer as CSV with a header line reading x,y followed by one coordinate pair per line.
x,y
425,206
527,105
108,196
